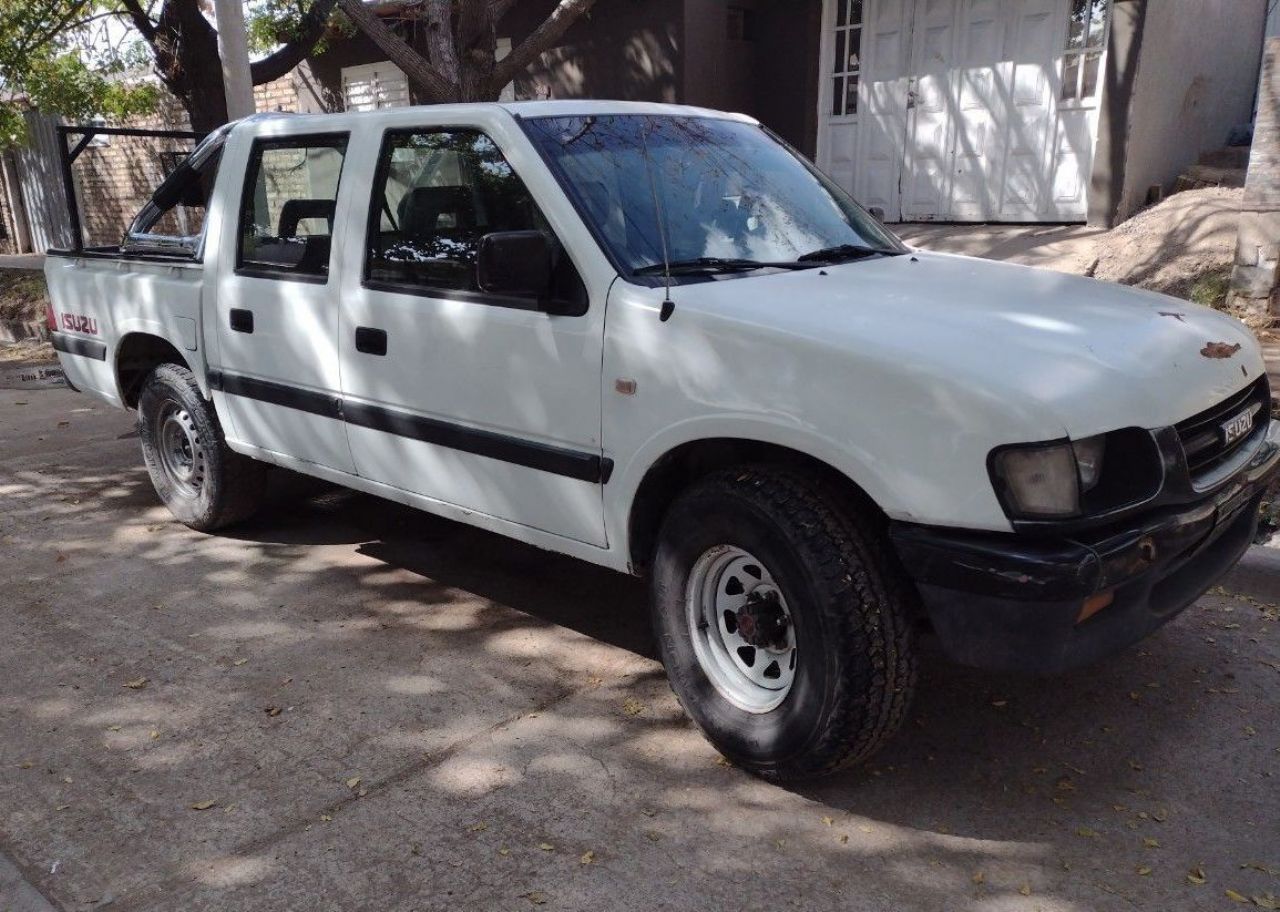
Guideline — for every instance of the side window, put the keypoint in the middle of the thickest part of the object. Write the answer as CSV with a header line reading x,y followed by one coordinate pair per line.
x,y
435,195
286,214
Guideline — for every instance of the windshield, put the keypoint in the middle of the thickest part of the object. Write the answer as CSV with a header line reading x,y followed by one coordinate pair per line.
x,y
728,194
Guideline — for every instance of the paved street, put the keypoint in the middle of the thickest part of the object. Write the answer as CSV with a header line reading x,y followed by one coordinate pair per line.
x,y
348,705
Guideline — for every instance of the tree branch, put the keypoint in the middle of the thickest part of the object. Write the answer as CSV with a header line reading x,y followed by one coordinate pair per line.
x,y
425,77
282,60
499,8
141,20
566,13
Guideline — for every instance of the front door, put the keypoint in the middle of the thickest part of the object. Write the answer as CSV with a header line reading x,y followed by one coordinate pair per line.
x,y
275,371
477,400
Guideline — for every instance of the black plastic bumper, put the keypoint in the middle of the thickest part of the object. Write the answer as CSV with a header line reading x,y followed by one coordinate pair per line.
x,y
1011,602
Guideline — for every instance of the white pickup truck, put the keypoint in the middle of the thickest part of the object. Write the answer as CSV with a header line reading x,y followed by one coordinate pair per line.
x,y
657,339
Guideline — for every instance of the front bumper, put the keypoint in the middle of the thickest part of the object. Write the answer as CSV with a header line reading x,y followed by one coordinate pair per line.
x,y
1012,602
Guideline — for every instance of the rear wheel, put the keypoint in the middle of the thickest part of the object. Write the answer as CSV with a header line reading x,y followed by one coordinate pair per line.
x,y
200,479
783,622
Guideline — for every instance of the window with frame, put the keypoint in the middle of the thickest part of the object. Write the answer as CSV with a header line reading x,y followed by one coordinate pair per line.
x,y
847,67
1086,43
435,195
287,212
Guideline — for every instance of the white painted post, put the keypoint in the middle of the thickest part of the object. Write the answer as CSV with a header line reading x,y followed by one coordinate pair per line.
x,y
233,48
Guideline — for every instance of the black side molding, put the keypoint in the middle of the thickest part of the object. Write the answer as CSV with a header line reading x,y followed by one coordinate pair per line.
x,y
74,345
574,464
556,460
276,394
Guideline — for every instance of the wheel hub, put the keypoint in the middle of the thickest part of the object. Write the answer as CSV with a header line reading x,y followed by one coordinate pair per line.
x,y
762,622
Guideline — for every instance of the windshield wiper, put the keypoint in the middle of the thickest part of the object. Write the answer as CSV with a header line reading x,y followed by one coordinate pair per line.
x,y
845,252
713,265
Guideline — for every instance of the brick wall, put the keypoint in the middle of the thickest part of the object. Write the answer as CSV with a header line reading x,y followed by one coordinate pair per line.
x,y
114,180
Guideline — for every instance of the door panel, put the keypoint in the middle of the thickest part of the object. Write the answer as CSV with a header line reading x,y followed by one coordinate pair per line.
x,y
478,401
1027,178
276,375
978,145
927,172
882,127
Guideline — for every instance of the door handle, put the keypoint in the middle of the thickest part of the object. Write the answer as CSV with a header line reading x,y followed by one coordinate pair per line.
x,y
241,320
371,341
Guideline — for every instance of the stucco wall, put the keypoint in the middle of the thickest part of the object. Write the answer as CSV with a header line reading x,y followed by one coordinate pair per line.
x,y
1196,78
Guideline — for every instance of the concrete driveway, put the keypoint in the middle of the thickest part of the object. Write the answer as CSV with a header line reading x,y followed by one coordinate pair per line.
x,y
349,705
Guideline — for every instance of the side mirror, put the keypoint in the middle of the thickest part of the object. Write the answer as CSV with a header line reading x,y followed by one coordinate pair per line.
x,y
516,263
877,213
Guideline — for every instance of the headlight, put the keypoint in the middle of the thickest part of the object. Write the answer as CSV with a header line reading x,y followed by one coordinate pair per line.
x,y
1046,480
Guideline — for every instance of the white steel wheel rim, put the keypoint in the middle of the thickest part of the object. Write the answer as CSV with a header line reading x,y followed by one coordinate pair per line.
x,y
750,662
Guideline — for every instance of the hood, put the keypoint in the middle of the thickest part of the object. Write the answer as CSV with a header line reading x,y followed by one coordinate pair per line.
x,y
1084,356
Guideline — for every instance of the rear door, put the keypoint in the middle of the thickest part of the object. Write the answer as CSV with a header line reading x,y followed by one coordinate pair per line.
x,y
277,371
477,400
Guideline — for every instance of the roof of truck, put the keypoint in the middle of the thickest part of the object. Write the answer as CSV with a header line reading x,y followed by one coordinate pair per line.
x,y
574,108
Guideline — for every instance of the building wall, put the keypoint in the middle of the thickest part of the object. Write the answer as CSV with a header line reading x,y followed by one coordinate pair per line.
x,y
1196,78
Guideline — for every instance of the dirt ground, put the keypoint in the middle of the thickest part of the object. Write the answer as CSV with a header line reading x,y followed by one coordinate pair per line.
x,y
349,705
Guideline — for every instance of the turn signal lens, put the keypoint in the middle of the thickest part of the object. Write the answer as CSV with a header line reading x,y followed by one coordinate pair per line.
x,y
1093,604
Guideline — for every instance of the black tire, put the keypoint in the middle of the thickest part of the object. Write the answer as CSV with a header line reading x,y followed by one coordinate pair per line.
x,y
227,488
850,606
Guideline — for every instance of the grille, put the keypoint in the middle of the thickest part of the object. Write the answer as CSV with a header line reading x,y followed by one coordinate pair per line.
x,y
1203,441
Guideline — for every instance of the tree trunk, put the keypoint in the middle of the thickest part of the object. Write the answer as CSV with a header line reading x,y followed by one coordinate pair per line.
x,y
186,51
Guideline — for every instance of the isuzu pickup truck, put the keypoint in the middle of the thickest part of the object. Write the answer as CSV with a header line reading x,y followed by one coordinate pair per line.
x,y
657,339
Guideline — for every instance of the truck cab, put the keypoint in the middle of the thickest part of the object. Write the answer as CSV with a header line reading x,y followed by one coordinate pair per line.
x,y
656,338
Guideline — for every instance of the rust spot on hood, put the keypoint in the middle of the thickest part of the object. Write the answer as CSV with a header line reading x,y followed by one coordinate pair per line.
x,y
1219,350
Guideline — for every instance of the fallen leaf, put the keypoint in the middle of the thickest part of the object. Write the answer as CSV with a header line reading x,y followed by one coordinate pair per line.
x,y
1150,843
62,807
1236,897
136,684
1143,870
1160,816
1025,889
504,851
652,835
326,817
353,783
272,710
239,662
632,706
1196,875
844,838
978,877
155,735
588,857
1266,901
479,827
203,805
829,821
546,847
537,897
1087,833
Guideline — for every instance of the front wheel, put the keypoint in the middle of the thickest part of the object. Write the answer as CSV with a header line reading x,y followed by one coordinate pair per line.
x,y
200,479
783,622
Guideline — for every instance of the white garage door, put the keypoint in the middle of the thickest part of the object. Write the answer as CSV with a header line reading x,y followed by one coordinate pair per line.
x,y
963,110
